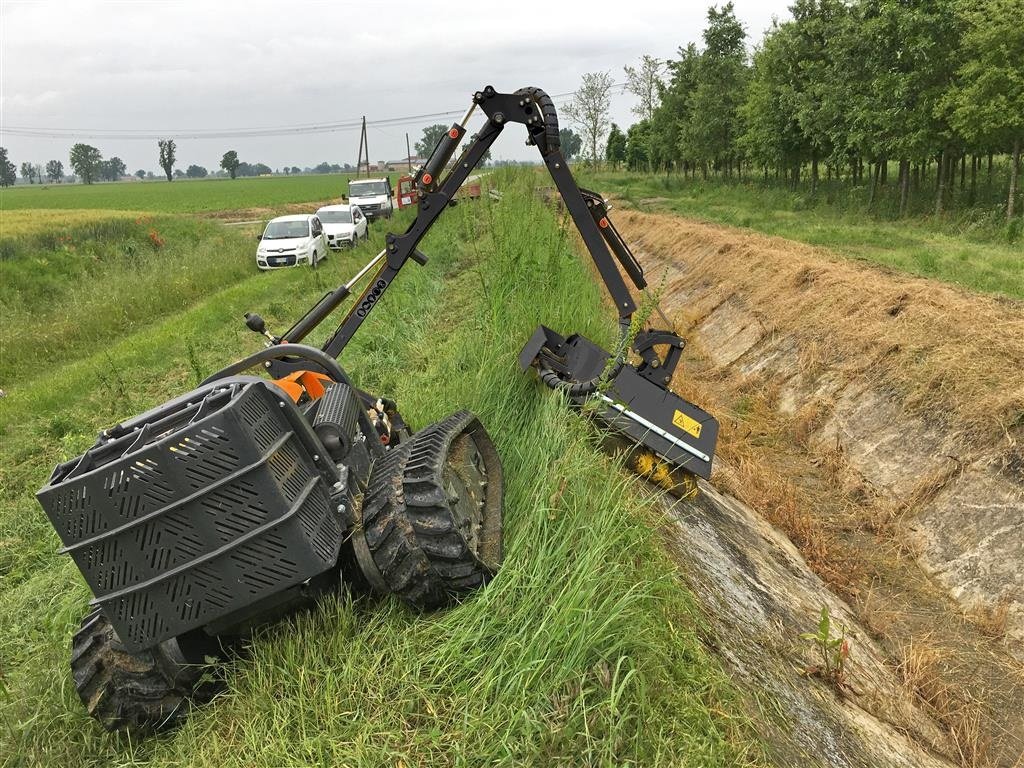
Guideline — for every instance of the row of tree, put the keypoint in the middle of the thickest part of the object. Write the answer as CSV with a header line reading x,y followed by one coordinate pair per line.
x,y
842,89
88,165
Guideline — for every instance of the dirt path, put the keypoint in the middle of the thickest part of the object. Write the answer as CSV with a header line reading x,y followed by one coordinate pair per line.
x,y
878,420
241,216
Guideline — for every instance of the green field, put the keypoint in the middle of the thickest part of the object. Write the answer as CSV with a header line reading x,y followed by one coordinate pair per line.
x,y
181,196
584,650
971,252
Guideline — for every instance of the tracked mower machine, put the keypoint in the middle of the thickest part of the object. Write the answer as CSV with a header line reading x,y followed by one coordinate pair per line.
x,y
236,503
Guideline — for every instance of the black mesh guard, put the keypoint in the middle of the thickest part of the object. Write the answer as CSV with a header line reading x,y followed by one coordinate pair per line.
x,y
197,509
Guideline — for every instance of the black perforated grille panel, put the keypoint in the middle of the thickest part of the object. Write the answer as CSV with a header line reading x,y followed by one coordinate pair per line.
x,y
196,510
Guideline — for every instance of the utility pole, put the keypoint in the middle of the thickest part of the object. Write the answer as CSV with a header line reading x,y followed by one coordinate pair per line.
x,y
408,152
364,149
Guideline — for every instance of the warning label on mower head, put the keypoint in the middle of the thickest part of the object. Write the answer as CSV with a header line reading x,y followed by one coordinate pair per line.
x,y
685,423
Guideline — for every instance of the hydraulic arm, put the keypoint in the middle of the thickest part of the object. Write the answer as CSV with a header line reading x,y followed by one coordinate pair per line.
x,y
634,400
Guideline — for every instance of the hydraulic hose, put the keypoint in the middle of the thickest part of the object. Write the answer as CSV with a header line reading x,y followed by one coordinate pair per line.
x,y
552,379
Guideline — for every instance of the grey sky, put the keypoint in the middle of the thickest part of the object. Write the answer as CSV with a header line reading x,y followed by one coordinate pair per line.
x,y
173,66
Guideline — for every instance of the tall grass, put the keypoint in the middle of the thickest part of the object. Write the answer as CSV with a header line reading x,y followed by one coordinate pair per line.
x,y
65,290
584,649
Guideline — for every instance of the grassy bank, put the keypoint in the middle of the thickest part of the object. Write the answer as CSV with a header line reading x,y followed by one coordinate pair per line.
x,y
90,283
970,250
583,651
180,196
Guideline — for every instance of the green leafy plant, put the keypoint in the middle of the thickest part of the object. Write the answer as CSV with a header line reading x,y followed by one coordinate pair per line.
x,y
833,651
195,364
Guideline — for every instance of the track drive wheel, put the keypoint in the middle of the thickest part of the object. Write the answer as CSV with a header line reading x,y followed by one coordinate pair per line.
x,y
139,692
431,517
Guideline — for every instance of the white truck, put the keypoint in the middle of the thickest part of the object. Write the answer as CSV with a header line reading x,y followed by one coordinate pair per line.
x,y
373,196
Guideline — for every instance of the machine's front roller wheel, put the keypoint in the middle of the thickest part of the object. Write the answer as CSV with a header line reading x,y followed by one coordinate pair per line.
x,y
140,692
432,515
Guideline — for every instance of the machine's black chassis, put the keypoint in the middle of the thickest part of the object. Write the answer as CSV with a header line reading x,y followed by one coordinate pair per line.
x,y
231,506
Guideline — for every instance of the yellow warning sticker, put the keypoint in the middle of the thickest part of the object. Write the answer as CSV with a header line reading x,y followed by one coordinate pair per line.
x,y
685,423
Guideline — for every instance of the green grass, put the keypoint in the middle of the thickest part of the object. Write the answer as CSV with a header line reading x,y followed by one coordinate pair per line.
x,y
970,250
584,650
180,196
112,277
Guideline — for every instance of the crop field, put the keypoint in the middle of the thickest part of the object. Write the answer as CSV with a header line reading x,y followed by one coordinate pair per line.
x,y
585,648
181,196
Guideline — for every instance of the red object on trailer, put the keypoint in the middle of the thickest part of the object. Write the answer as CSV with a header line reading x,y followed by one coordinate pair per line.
x,y
406,192
470,188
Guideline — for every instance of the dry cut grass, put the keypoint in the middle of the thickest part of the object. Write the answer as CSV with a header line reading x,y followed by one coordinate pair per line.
x,y
31,221
950,356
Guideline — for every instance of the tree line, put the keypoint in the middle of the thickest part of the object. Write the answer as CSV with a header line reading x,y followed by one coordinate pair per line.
x,y
87,164
842,90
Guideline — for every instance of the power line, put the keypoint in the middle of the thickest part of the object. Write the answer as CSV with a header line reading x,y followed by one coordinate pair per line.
x,y
148,134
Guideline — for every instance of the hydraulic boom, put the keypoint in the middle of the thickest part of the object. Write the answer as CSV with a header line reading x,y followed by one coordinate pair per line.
x,y
634,400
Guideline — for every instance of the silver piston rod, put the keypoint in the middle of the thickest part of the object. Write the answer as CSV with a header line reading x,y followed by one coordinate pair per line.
x,y
328,303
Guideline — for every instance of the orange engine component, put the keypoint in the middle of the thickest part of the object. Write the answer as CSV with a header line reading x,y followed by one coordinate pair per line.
x,y
308,383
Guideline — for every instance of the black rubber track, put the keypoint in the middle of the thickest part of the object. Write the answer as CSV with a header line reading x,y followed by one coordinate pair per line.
x,y
423,551
550,115
140,692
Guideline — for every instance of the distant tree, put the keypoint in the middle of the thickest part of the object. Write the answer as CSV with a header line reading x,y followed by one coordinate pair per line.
x,y
260,169
615,149
55,171
244,169
713,125
772,135
8,171
178,174
113,169
85,161
644,82
663,145
230,162
196,172
638,156
167,155
140,173
324,167
296,169
431,136
28,172
589,110
287,171
150,175
897,60
570,142
986,104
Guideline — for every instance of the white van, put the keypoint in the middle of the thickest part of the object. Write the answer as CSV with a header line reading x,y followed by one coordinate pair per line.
x,y
373,196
